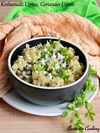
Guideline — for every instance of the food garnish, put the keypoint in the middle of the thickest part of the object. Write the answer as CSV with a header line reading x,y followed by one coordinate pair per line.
x,y
72,110
49,65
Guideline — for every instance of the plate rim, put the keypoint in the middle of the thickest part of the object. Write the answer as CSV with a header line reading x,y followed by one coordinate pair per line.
x,y
60,106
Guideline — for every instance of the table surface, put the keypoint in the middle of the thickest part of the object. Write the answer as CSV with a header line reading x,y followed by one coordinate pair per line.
x,y
15,121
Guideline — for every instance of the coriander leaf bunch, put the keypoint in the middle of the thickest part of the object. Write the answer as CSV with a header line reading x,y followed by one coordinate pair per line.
x,y
72,110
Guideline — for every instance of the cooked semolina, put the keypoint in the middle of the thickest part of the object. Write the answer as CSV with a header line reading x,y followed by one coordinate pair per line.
x,y
48,65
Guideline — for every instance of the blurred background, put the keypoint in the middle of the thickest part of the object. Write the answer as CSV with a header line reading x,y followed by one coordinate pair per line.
x,y
5,9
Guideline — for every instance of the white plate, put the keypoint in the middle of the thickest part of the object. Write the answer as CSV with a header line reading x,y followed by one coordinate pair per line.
x,y
16,101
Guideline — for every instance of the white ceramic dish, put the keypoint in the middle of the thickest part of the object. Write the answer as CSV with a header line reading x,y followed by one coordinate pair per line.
x,y
16,101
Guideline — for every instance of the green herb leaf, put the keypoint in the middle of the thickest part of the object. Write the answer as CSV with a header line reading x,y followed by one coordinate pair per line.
x,y
71,106
64,114
40,67
89,86
90,115
32,69
92,71
43,53
89,106
63,75
59,39
52,46
78,102
18,56
80,131
63,51
77,121
51,49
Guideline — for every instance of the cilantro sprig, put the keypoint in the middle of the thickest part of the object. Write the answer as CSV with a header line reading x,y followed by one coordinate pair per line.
x,y
72,110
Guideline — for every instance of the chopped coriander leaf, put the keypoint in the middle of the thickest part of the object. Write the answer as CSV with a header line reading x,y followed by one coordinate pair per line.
x,y
45,67
49,70
54,73
50,54
59,39
64,59
19,56
62,74
25,79
43,53
71,56
66,79
40,67
40,46
53,64
32,62
63,50
33,69
50,49
50,41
